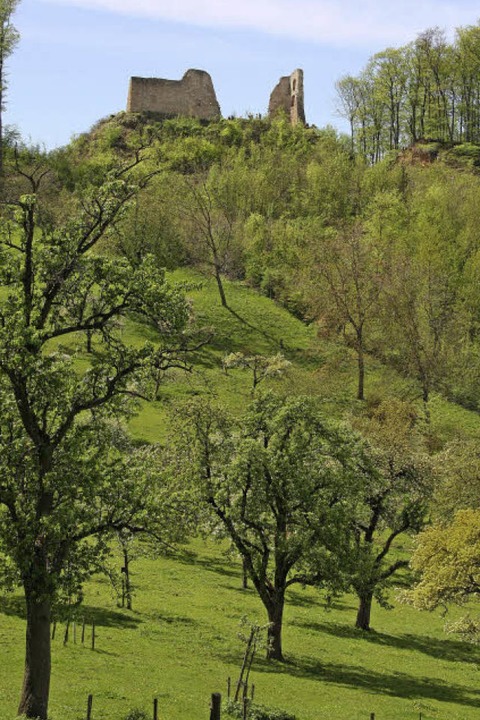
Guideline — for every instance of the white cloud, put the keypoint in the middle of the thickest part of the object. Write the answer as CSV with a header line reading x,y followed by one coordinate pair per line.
x,y
341,22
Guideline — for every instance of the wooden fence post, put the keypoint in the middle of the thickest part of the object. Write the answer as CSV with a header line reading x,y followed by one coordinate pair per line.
x,y
229,687
93,635
155,709
54,629
216,706
83,631
372,716
89,707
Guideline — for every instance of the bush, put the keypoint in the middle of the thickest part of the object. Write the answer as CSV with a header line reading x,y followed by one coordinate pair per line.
x,y
136,714
256,712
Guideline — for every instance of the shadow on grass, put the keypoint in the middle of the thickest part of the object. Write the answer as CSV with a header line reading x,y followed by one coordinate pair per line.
x,y
107,618
220,567
172,619
255,328
300,599
438,648
394,684
14,605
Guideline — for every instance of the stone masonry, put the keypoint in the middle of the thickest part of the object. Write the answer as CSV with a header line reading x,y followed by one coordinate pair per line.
x,y
192,96
288,97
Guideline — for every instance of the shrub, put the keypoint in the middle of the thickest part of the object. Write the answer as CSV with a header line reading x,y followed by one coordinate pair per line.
x,y
256,712
136,714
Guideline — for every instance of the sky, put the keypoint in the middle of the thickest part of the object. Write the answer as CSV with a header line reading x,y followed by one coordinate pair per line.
x,y
75,57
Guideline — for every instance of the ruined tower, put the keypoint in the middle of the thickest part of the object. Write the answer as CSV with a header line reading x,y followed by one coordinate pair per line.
x,y
192,96
288,97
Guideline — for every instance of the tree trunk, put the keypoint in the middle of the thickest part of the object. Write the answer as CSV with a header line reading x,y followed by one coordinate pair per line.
x,y
275,618
364,611
244,575
126,571
361,370
426,399
36,680
218,278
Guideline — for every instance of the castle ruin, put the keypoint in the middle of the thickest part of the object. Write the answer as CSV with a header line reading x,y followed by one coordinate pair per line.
x,y
192,96
288,97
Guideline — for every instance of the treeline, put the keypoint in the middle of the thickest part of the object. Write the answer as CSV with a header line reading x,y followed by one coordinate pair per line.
x,y
429,88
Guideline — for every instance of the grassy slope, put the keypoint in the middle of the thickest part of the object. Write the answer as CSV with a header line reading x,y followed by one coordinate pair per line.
x,y
255,324
180,642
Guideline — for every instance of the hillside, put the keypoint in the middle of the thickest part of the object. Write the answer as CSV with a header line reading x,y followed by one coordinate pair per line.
x,y
364,278
180,641
255,325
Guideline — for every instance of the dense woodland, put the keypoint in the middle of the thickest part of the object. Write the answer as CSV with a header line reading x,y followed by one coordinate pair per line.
x,y
427,89
378,252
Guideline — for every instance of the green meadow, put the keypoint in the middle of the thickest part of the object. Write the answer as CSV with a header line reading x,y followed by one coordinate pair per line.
x,y
181,641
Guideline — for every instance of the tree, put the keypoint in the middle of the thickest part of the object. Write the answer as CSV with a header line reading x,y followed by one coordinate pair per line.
x,y
62,478
447,554
210,206
447,557
9,38
262,367
423,325
283,489
395,502
350,267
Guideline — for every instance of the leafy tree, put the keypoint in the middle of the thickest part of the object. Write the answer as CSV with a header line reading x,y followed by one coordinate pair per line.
x,y
457,471
210,210
9,38
447,558
421,300
151,228
262,367
350,268
62,476
283,489
395,502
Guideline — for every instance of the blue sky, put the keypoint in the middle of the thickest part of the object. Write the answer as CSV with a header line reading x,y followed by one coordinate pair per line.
x,y
75,57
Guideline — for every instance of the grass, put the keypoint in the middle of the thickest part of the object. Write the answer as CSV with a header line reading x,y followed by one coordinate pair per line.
x,y
255,325
180,644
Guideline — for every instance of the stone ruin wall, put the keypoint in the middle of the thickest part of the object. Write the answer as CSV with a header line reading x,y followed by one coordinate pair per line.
x,y
192,96
288,96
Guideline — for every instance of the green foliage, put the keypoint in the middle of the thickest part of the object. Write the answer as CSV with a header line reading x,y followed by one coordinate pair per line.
x,y
68,474
181,645
256,712
136,714
284,489
447,558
